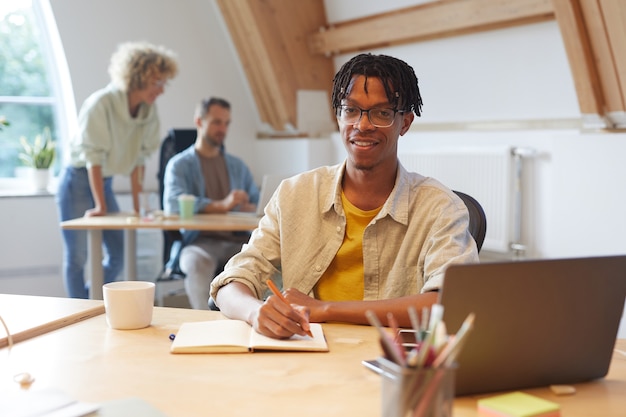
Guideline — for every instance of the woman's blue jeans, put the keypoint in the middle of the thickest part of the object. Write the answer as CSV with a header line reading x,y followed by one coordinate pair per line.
x,y
73,199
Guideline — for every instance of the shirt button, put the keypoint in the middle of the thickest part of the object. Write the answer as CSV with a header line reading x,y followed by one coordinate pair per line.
x,y
338,229
318,268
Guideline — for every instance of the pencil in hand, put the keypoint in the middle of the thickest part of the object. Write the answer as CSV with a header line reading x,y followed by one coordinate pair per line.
x,y
280,295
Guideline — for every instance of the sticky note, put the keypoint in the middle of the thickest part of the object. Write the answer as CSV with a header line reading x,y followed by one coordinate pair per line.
x,y
517,404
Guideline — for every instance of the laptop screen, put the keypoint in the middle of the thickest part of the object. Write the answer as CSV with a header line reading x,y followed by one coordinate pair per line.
x,y
268,186
537,323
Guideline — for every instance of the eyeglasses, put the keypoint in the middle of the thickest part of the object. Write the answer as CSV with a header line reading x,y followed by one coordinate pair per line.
x,y
377,116
159,83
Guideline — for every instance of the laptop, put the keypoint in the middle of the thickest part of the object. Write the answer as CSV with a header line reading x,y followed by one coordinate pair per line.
x,y
537,323
268,186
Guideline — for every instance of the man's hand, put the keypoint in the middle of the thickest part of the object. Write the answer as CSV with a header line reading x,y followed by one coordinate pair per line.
x,y
247,207
235,198
276,319
315,307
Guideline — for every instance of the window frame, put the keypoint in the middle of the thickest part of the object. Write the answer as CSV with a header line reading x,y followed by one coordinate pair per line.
x,y
61,99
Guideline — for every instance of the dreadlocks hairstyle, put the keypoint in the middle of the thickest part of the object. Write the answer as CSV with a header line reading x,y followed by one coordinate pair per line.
x,y
397,77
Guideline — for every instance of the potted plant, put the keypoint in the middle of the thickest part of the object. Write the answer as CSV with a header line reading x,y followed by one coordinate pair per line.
x,y
39,156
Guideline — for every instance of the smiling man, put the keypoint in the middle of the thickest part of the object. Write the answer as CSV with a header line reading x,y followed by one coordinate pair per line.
x,y
362,235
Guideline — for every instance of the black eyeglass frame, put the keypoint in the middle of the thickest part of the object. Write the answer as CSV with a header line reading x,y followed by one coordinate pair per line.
x,y
343,106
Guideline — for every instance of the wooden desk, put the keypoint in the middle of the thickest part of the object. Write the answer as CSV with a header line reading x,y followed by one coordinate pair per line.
x,y
130,223
29,316
91,362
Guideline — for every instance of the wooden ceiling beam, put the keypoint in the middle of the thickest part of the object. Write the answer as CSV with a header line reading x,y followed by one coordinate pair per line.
x,y
612,59
427,21
285,45
578,47
271,40
595,39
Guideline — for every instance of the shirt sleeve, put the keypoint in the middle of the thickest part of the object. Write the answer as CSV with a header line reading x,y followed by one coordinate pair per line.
x,y
94,141
173,184
449,243
258,260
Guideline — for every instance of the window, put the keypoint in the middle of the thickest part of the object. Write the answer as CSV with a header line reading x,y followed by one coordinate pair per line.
x,y
30,91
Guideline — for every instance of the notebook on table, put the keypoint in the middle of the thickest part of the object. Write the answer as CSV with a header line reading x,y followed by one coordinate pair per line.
x,y
237,336
268,186
538,323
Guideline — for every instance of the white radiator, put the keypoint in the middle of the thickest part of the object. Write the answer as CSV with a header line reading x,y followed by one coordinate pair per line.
x,y
485,173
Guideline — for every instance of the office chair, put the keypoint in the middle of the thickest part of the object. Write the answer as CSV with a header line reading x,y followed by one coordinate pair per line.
x,y
478,219
177,140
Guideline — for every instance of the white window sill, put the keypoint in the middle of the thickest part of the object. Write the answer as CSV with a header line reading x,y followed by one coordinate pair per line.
x,y
21,187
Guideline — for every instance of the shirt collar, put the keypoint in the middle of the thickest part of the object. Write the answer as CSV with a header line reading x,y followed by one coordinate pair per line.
x,y
333,199
396,206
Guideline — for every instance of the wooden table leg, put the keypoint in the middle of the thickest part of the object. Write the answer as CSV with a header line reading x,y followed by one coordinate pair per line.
x,y
130,255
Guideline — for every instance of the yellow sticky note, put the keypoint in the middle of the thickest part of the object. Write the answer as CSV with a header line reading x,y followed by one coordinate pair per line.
x,y
517,404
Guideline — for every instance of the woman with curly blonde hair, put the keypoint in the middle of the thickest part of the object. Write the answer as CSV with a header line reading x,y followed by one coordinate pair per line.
x,y
118,129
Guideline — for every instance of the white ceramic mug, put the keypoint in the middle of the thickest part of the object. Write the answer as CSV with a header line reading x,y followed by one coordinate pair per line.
x,y
128,304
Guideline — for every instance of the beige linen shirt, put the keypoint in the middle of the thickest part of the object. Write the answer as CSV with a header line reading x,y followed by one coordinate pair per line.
x,y
420,230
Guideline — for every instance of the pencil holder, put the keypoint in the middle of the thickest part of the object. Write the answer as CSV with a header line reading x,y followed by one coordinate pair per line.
x,y
416,392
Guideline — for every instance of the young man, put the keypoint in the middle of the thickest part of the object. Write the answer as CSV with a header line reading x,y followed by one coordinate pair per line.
x,y
363,235
221,182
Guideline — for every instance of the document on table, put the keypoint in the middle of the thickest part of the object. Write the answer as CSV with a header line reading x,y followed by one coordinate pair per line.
x,y
52,402
48,402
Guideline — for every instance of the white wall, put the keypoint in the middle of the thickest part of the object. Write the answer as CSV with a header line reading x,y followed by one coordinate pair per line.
x,y
30,247
517,74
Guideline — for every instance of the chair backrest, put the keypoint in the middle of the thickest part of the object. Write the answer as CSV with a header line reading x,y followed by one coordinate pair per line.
x,y
177,140
478,220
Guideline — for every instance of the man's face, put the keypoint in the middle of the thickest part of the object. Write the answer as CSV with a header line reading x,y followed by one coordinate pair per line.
x,y
369,146
214,125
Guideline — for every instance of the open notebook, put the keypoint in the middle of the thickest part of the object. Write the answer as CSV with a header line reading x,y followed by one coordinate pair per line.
x,y
537,323
236,336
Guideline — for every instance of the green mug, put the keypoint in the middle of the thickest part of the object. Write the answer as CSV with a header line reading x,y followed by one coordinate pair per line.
x,y
186,203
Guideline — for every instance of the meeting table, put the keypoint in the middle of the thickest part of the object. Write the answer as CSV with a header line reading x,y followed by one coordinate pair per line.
x,y
134,370
130,223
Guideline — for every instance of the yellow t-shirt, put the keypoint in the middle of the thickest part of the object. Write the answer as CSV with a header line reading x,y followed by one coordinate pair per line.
x,y
343,280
